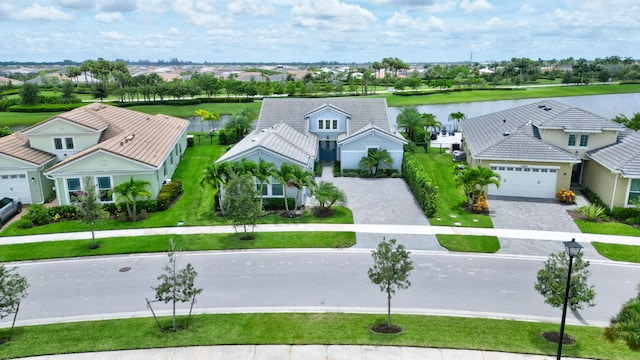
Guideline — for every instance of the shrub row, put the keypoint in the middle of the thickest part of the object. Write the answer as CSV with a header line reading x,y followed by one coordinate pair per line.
x,y
365,173
5,104
595,199
277,203
44,107
420,184
431,92
169,193
195,101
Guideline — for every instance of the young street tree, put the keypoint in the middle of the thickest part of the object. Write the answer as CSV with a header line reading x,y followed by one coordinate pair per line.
x,y
625,325
89,207
552,278
13,288
242,202
177,285
391,268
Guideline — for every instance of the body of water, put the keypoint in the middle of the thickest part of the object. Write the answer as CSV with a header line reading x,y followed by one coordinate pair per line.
x,y
607,106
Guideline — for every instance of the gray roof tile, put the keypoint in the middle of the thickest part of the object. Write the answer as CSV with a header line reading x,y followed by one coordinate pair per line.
x,y
623,156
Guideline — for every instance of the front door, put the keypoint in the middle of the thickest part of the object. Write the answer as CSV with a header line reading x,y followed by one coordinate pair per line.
x,y
328,151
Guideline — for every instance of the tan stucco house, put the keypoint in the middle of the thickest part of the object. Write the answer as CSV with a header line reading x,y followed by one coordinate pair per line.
x,y
546,146
108,143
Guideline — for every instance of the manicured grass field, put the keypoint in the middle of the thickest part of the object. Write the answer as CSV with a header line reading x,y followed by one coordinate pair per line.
x,y
611,228
305,329
189,110
618,252
160,243
516,94
23,119
468,243
450,197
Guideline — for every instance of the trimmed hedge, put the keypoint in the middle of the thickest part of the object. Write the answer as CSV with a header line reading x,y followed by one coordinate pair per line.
x,y
628,215
277,203
183,102
168,193
44,107
420,184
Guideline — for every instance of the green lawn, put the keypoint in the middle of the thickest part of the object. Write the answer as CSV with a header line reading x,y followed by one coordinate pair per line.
x,y
23,119
450,201
304,329
193,208
469,243
618,252
522,93
189,110
160,243
607,228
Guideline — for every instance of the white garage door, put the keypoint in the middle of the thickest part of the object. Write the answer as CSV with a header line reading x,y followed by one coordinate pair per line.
x,y
525,181
15,186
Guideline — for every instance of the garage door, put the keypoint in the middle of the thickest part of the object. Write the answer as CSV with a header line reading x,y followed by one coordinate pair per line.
x,y
525,181
15,186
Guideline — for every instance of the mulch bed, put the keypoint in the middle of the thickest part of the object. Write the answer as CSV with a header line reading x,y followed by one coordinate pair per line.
x,y
554,336
385,329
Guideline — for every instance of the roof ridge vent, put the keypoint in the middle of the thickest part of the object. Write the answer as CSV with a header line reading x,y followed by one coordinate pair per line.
x,y
506,133
547,108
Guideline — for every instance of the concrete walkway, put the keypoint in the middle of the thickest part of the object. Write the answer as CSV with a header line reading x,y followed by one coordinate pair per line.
x,y
297,352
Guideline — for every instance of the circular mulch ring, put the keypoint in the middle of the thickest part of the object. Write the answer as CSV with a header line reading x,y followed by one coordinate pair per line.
x,y
554,336
385,329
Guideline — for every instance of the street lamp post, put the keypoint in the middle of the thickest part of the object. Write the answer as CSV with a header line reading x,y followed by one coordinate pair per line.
x,y
573,249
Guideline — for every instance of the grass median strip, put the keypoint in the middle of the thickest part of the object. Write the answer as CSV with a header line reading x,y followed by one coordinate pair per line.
x,y
618,252
305,328
469,243
160,243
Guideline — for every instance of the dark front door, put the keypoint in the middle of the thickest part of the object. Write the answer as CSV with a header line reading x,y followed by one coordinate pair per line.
x,y
576,174
328,151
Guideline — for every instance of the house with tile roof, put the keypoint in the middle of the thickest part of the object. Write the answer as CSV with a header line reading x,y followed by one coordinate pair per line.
x,y
543,147
108,143
305,131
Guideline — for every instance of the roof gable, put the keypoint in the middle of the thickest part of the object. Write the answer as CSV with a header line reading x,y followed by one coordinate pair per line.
x,y
138,136
395,136
280,139
60,125
621,157
16,146
294,112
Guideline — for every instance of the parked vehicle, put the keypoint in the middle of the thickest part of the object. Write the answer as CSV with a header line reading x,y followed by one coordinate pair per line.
x,y
8,209
459,156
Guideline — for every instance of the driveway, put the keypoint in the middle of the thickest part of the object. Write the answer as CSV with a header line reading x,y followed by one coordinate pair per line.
x,y
383,201
535,214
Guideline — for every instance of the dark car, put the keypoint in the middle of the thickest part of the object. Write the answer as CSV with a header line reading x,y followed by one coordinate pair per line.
x,y
8,209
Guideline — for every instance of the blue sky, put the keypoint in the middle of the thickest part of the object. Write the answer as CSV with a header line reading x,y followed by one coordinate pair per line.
x,y
317,30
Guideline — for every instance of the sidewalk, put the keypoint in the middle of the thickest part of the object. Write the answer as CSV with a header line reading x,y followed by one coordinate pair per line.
x,y
298,352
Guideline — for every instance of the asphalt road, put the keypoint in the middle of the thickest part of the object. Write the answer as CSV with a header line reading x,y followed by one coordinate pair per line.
x,y
319,280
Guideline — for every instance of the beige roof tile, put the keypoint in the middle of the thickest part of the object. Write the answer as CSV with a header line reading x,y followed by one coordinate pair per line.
x,y
17,146
134,135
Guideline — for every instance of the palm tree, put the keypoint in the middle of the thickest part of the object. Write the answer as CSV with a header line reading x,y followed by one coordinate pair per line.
x,y
263,172
376,159
458,117
431,123
129,192
409,120
215,175
328,194
632,122
473,181
241,121
301,178
284,175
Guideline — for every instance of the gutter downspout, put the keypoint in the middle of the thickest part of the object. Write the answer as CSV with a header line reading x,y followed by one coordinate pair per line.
x,y
613,195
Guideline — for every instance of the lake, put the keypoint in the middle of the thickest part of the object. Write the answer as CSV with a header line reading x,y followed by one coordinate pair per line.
x,y
607,106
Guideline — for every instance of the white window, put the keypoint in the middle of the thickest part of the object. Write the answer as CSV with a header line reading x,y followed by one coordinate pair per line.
x,y
74,189
634,191
105,190
63,143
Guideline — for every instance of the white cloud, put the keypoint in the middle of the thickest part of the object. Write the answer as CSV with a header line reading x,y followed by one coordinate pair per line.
x,y
108,17
39,12
475,5
199,13
113,35
117,5
77,4
251,7
332,15
526,8
402,21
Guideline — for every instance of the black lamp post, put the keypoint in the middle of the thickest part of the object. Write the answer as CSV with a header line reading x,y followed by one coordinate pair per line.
x,y
573,249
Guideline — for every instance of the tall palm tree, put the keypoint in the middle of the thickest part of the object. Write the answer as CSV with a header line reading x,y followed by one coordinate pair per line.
x,y
129,192
284,175
215,175
474,179
458,117
409,120
301,178
485,176
431,123
241,121
263,172
376,159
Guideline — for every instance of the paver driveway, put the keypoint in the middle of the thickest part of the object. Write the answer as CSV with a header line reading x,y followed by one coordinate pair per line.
x,y
383,201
